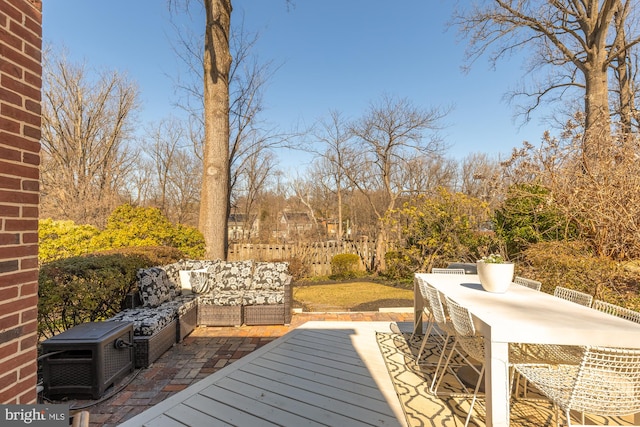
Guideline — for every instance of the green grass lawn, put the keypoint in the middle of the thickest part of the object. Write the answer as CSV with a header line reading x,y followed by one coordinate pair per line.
x,y
350,296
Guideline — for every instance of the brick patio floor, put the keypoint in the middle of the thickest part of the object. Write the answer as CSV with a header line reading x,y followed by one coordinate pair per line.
x,y
205,351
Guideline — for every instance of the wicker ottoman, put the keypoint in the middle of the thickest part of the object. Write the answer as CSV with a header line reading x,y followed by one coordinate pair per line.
x,y
150,348
219,315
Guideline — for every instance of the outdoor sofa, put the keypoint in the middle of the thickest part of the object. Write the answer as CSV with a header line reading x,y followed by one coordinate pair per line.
x,y
172,299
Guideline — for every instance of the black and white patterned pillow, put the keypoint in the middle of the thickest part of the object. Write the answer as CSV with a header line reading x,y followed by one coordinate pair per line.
x,y
234,275
154,286
270,276
173,276
200,281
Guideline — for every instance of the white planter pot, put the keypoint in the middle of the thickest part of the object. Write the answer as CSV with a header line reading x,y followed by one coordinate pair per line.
x,y
495,277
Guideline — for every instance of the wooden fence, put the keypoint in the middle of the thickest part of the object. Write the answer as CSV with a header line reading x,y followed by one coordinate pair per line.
x,y
315,256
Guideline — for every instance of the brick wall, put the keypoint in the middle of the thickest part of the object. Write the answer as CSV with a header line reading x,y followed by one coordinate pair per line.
x,y
20,85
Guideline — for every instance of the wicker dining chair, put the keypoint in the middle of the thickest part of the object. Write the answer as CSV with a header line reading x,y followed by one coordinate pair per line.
x,y
573,296
436,270
529,283
616,310
605,382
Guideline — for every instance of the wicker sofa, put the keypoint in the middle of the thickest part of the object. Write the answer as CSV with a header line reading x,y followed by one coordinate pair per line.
x,y
171,300
249,292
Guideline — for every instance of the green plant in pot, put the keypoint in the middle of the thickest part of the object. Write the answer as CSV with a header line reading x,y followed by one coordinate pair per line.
x,y
495,273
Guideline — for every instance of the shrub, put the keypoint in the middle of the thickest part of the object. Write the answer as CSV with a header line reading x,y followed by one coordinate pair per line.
x,y
63,239
157,255
401,264
345,266
441,228
573,265
297,268
530,215
138,226
84,289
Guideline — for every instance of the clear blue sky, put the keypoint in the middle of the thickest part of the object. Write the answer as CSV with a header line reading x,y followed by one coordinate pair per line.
x,y
332,54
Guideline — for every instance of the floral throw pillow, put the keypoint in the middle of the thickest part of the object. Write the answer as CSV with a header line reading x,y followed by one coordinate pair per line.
x,y
234,276
154,286
270,276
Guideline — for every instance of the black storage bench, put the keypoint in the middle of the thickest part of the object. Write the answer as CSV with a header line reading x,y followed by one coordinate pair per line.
x,y
87,359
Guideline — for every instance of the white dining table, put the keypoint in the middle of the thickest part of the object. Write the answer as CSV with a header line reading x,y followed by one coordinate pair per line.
x,y
523,315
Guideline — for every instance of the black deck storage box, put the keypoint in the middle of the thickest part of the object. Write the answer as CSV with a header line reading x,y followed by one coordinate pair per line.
x,y
87,359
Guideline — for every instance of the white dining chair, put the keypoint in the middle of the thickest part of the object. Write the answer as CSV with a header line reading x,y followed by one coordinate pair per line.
x,y
616,310
605,382
425,309
529,283
443,328
573,296
436,270
473,343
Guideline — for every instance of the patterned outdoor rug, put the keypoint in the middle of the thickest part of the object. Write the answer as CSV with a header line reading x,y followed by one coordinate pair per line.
x,y
421,408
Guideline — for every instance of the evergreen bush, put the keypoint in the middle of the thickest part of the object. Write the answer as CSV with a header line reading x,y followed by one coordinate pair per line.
x,y
345,266
84,288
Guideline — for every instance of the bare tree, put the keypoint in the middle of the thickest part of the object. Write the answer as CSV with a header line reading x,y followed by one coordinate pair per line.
x,y
576,40
388,137
481,178
334,135
86,125
177,170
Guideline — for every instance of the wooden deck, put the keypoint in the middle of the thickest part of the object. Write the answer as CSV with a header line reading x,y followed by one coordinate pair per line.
x,y
320,374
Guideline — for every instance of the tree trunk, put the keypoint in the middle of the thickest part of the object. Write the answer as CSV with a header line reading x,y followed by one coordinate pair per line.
x,y
597,118
380,263
214,195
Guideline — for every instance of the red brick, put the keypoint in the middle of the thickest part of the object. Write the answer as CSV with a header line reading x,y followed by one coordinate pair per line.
x,y
18,278
18,197
19,142
33,52
20,170
20,114
34,79
30,342
10,97
7,153
6,210
29,8
18,305
18,360
31,159
28,263
20,87
21,224
10,394
9,239
28,315
8,125
9,378
30,237
10,11
29,185
9,183
9,321
8,293
30,212
7,349
9,68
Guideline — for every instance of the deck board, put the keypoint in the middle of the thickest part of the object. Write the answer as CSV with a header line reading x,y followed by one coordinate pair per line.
x,y
322,373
